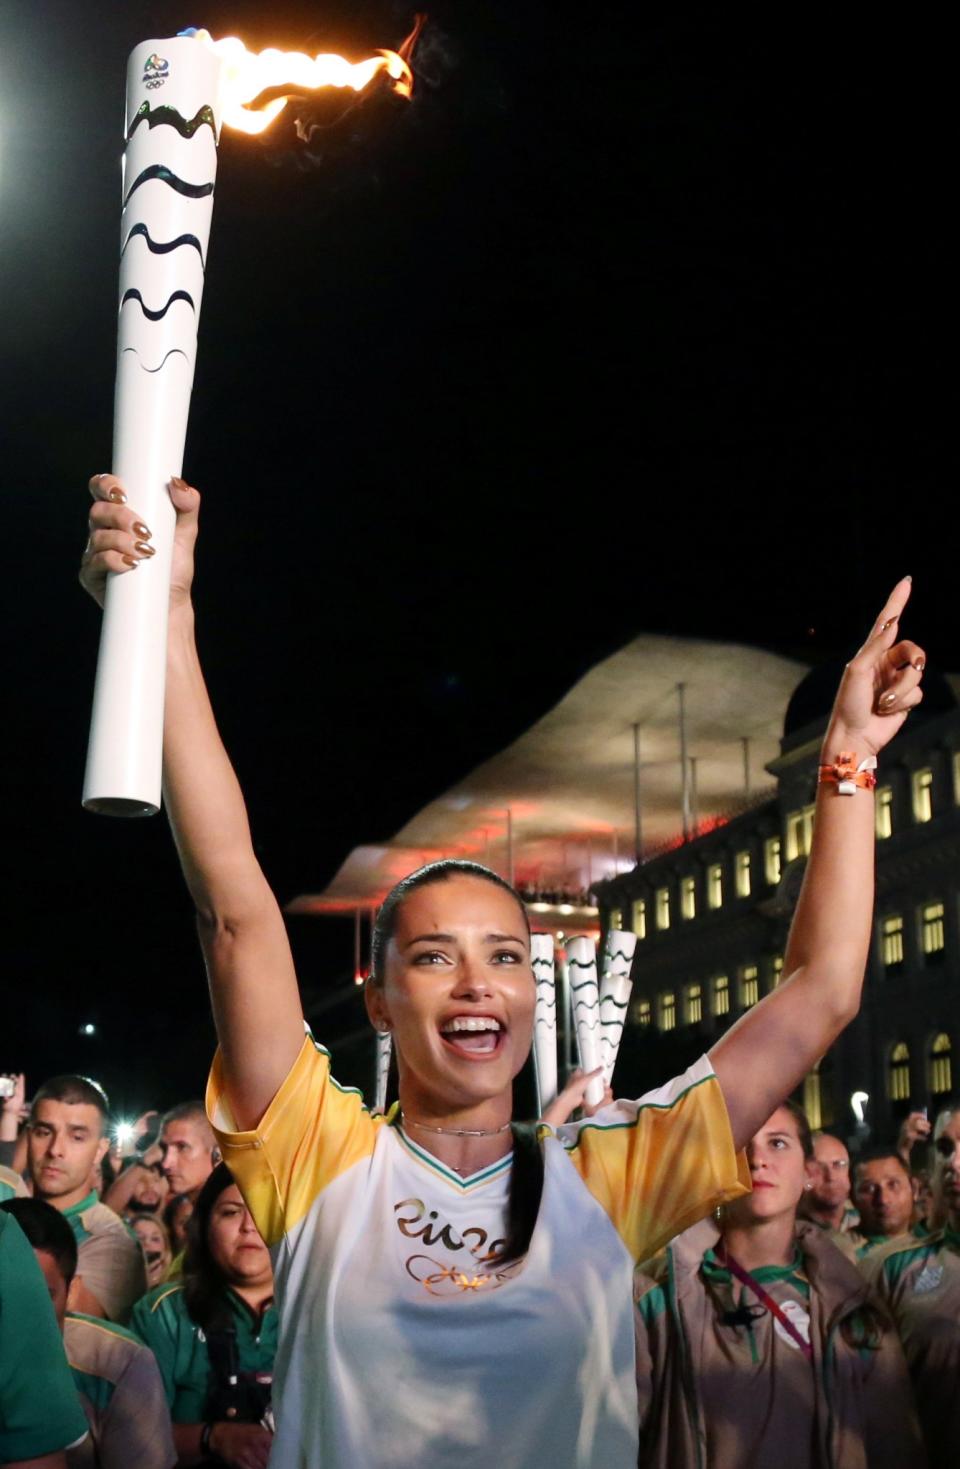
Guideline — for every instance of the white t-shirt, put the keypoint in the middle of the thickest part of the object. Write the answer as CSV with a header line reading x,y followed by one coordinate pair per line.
x,y
401,1341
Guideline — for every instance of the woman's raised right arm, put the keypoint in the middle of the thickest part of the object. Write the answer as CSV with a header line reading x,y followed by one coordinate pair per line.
x,y
253,986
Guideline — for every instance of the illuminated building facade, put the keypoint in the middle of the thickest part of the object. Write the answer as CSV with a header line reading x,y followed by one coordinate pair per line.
x,y
712,918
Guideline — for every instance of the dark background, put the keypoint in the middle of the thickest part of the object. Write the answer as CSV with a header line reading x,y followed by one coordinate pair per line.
x,y
630,322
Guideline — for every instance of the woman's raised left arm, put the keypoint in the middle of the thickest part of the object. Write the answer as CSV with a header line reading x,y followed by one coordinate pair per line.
x,y
762,1058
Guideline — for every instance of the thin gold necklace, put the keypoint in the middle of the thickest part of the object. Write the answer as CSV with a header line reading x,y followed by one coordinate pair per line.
x,y
457,1131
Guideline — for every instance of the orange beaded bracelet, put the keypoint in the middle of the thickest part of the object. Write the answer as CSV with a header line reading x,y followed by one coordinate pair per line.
x,y
847,775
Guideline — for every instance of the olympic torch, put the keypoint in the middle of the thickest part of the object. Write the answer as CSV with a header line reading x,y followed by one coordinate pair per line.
x,y
616,985
582,959
545,1019
179,91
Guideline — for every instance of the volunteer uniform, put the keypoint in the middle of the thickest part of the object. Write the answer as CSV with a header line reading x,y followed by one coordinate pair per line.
x,y
180,1347
122,1396
922,1287
12,1185
109,1257
402,1340
812,1377
39,1409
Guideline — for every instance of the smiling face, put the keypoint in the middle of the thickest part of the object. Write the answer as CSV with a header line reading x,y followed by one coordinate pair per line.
x,y
234,1242
778,1170
65,1143
458,994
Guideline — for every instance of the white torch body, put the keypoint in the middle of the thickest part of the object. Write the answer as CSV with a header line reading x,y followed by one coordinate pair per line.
x,y
585,993
169,171
545,1019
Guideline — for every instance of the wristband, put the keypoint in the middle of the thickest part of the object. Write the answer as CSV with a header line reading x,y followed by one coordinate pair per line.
x,y
847,775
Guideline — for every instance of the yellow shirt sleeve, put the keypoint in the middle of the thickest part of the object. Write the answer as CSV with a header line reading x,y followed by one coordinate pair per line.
x,y
658,1165
312,1132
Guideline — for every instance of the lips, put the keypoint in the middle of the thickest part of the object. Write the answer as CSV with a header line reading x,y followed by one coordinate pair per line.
x,y
473,1037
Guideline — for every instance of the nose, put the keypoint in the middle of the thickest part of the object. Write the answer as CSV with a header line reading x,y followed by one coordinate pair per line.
x,y
473,982
55,1150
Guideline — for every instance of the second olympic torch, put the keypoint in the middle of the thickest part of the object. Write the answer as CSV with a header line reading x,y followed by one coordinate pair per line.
x,y
169,171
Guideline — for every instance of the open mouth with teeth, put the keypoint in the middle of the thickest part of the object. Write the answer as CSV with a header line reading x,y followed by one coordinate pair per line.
x,y
476,1036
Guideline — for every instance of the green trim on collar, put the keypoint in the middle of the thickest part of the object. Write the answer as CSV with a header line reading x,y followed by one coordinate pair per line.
x,y
463,1184
84,1204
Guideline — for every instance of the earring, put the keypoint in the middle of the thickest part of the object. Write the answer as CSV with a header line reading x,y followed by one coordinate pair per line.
x,y
808,1185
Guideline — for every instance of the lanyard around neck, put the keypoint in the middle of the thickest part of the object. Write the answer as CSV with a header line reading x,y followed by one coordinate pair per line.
x,y
766,1300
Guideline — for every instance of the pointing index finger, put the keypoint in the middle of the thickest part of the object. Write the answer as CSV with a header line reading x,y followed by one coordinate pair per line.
x,y
886,623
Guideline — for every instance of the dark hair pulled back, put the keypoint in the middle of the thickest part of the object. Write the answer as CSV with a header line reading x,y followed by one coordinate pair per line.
x,y
526,1174
204,1283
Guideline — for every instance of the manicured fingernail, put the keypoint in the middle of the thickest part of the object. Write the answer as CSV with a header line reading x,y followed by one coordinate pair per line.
x,y
889,623
144,549
132,562
178,483
908,577
888,699
141,530
117,497
920,664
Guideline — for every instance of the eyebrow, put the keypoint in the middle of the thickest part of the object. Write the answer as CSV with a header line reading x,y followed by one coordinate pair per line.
x,y
449,938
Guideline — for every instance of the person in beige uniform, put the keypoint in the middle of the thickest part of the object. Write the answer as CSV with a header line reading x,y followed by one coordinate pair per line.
x,y
66,1140
758,1342
921,1284
116,1377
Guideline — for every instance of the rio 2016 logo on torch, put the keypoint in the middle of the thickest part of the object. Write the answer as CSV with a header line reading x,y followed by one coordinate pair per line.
x,y
156,69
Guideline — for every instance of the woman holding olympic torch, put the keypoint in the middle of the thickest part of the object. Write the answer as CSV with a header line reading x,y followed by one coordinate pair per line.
x,y
453,1288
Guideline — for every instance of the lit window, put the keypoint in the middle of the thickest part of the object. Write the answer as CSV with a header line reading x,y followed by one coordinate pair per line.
x,y
813,1098
931,928
668,1012
776,971
941,1072
641,1013
899,1079
688,897
883,813
771,860
721,995
742,868
616,918
715,885
922,795
640,918
891,940
694,1004
663,907
749,986
799,832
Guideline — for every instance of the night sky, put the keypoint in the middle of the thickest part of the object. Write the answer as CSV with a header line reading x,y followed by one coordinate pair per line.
x,y
629,322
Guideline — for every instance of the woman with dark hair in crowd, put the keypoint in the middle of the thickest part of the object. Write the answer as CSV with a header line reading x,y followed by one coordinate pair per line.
x,y
456,1288
214,1334
758,1340
176,1217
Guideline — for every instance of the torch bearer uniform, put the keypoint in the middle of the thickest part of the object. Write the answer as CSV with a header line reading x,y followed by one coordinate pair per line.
x,y
401,1339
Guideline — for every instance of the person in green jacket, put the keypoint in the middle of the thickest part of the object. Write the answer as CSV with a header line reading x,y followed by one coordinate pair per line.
x,y
758,1341
217,1323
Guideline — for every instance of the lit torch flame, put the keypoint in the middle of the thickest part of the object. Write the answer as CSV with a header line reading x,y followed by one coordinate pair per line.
x,y
247,75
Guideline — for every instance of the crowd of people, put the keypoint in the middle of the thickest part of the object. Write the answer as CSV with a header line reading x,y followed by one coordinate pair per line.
x,y
818,1313
279,1275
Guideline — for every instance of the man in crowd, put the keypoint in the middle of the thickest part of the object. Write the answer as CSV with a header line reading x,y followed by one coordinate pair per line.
x,y
140,1189
39,1412
883,1193
188,1149
921,1284
66,1141
116,1378
827,1198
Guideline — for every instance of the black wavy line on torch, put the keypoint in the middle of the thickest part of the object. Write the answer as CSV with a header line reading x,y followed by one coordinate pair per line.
x,y
163,247
609,1000
166,176
174,352
617,954
134,295
170,117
